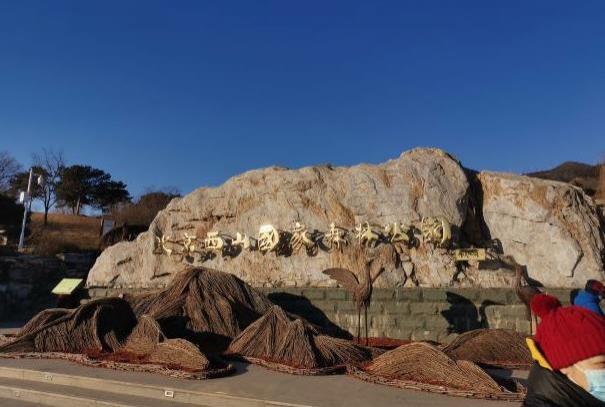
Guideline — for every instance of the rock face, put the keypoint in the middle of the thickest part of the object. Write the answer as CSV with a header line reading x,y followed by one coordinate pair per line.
x,y
420,183
552,227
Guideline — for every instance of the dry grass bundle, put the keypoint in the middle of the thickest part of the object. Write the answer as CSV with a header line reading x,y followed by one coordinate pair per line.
x,y
491,347
278,338
181,354
336,351
129,366
147,344
5,339
144,338
42,318
204,302
99,326
424,363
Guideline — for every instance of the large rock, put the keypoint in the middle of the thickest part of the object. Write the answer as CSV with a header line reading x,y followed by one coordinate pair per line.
x,y
551,226
421,182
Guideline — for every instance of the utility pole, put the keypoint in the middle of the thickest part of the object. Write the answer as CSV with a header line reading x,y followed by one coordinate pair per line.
x,y
26,201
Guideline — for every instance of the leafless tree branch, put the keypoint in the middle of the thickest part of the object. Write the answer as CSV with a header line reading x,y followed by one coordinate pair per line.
x,y
9,167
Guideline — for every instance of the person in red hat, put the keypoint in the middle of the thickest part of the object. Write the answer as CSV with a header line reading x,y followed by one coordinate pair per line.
x,y
569,348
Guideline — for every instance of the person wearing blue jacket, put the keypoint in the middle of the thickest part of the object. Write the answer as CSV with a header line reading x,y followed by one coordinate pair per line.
x,y
591,296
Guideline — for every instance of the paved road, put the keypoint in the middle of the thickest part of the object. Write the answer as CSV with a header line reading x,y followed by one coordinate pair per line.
x,y
256,382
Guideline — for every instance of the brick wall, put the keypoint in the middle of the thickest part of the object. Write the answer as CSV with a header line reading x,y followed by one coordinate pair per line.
x,y
406,313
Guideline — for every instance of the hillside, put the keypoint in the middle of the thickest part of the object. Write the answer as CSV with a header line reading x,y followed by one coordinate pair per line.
x,y
583,175
68,232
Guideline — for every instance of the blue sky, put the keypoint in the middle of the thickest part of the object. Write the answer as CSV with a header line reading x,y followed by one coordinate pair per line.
x,y
189,93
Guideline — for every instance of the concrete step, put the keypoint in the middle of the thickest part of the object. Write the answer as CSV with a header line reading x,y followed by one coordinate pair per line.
x,y
65,390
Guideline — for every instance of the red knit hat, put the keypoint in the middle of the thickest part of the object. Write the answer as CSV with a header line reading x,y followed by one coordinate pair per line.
x,y
567,335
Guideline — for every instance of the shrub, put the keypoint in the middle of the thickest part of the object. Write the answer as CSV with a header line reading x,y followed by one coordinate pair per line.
x,y
144,210
45,243
11,215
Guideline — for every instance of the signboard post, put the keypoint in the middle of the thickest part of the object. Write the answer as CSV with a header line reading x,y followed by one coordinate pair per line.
x,y
67,286
469,254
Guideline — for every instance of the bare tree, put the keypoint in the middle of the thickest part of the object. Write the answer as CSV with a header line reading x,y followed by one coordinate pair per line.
x,y
9,167
50,164
145,208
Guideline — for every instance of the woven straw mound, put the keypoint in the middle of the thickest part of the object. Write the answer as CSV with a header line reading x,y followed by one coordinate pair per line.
x,y
129,366
424,363
491,347
43,318
5,339
284,340
144,338
99,326
179,353
86,332
203,306
148,344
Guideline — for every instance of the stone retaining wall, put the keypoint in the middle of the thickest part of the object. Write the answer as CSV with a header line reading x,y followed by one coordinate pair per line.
x,y
26,281
406,313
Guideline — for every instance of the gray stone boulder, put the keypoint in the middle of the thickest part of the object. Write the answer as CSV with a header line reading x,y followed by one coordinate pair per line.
x,y
550,226
421,182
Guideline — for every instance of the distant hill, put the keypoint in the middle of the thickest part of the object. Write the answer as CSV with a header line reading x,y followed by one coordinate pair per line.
x,y
583,175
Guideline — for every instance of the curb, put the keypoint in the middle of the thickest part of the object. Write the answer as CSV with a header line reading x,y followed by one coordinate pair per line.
x,y
170,394
52,399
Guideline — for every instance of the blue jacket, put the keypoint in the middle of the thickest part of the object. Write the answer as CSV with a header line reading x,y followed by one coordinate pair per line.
x,y
589,301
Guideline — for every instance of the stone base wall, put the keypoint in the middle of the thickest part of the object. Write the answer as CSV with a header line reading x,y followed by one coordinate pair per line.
x,y
406,313
26,281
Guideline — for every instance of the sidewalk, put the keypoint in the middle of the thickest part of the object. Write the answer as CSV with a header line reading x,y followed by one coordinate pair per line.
x,y
252,382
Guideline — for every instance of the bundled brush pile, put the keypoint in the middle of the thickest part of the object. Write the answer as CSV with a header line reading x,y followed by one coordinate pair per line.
x,y
422,366
147,344
496,347
144,338
292,345
170,332
43,318
4,339
203,305
106,333
200,307
99,326
425,363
